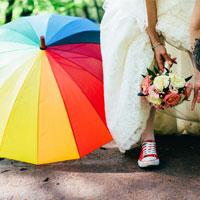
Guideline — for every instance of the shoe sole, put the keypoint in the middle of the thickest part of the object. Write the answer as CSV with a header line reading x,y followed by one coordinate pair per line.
x,y
144,164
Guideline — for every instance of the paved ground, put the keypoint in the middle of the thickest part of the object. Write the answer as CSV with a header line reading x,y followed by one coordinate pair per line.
x,y
109,175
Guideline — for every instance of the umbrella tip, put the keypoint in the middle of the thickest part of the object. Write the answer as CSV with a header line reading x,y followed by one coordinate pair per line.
x,y
42,43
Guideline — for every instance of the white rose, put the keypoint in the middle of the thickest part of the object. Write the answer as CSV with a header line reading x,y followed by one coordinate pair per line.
x,y
161,82
177,81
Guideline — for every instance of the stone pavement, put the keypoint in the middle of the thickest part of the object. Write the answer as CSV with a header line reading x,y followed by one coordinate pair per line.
x,y
109,175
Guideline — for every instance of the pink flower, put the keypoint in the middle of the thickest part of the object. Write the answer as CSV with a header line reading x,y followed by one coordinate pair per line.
x,y
151,88
188,90
172,99
146,84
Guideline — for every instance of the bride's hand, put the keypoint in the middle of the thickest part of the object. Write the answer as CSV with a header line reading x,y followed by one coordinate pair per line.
x,y
196,97
162,56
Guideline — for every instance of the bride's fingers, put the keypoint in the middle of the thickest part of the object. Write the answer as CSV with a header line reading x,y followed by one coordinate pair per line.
x,y
194,101
160,62
198,96
174,60
167,58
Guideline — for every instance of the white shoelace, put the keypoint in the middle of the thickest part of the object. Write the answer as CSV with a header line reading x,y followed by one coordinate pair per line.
x,y
149,148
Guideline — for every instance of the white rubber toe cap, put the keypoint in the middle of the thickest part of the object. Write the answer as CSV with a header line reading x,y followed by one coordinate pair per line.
x,y
148,162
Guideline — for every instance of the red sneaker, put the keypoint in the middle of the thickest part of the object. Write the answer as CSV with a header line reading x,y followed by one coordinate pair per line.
x,y
148,155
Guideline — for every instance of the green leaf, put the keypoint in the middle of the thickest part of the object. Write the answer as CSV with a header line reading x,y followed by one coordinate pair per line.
x,y
156,69
167,70
141,94
151,73
187,79
166,89
180,90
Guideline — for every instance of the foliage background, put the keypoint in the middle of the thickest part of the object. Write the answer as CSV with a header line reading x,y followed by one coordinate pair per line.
x,y
11,9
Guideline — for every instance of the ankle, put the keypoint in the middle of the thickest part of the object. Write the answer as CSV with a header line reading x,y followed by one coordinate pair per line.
x,y
147,138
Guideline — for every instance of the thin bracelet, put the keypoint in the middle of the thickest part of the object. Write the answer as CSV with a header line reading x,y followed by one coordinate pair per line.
x,y
157,45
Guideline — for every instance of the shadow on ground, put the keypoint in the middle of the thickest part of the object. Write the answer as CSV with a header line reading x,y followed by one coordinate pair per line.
x,y
109,174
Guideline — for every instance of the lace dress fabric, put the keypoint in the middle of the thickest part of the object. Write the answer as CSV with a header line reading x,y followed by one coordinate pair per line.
x,y
127,52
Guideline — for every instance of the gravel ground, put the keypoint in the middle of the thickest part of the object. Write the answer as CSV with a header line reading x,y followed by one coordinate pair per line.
x,y
109,175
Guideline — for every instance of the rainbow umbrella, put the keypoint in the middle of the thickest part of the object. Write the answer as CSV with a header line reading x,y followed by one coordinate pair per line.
x,y
51,89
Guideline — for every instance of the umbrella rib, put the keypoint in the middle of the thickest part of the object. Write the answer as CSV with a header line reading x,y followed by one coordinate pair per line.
x,y
77,33
32,29
79,66
38,112
66,109
2,52
7,64
76,55
86,55
56,47
61,28
22,35
3,137
79,89
75,47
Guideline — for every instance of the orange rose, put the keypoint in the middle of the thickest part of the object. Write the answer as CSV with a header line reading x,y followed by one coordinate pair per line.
x,y
172,99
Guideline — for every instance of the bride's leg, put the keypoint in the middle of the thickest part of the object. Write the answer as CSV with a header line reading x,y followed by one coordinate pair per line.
x,y
148,133
148,154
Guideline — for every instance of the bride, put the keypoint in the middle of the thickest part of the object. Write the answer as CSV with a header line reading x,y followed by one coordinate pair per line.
x,y
133,37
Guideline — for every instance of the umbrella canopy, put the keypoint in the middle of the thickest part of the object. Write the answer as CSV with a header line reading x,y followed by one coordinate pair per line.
x,y
51,89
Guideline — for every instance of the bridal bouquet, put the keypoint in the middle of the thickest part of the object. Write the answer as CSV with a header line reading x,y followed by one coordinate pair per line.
x,y
165,89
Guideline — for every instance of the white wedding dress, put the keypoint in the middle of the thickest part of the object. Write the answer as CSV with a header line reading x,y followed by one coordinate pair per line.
x,y
127,52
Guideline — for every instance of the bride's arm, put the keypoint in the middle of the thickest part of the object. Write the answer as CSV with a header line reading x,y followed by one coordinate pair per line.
x,y
152,21
195,34
161,54
195,23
